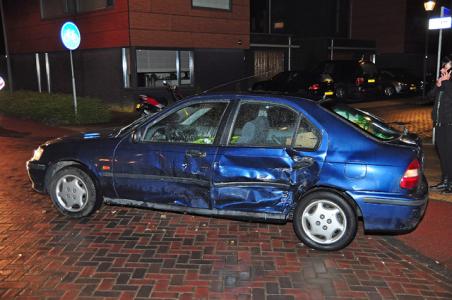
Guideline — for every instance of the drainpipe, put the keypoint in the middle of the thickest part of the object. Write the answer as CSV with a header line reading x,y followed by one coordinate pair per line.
x,y
8,59
332,49
289,59
350,17
269,16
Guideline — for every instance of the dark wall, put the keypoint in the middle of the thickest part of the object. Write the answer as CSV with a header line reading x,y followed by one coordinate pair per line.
x,y
321,18
97,73
218,66
24,72
383,21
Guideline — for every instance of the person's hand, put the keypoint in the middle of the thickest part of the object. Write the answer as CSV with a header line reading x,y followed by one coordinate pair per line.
x,y
445,75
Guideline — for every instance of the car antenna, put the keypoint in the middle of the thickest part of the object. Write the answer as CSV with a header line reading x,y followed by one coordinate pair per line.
x,y
236,80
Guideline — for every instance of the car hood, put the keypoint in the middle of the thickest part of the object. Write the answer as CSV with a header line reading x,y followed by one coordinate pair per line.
x,y
106,133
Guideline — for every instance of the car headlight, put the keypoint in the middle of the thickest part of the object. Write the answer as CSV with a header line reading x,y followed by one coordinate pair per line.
x,y
38,153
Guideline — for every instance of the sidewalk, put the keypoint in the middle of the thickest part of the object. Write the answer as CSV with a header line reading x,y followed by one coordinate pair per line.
x,y
433,172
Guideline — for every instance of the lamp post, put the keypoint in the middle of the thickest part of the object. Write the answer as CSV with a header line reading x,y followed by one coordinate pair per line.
x,y
428,7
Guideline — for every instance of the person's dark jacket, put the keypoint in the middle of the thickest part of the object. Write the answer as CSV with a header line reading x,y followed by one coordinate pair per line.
x,y
442,109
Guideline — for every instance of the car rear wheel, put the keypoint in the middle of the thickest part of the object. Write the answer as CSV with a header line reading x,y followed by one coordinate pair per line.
x,y
325,221
73,193
389,91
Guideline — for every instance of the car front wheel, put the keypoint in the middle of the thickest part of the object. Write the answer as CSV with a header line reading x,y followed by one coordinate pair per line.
x,y
73,193
325,221
389,91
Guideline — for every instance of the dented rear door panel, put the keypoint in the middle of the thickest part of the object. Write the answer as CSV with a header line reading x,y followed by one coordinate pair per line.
x,y
261,179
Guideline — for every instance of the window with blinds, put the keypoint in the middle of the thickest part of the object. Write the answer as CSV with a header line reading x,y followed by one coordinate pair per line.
x,y
216,4
156,66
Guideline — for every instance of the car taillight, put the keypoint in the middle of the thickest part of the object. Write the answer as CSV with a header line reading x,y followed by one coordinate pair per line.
x,y
314,87
359,80
411,176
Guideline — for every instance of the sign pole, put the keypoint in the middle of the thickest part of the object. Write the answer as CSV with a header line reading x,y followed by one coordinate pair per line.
x,y
70,36
74,92
440,41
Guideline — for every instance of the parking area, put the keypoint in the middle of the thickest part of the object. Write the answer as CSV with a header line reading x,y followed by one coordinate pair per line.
x,y
126,253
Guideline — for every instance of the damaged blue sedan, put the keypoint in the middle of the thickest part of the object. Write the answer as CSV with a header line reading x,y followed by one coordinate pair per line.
x,y
322,165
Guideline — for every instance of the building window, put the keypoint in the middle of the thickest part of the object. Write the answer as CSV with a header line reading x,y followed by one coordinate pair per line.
x,y
54,8
156,66
91,5
216,4
60,8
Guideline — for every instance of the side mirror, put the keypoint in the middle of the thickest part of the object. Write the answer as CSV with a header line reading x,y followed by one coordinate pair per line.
x,y
136,136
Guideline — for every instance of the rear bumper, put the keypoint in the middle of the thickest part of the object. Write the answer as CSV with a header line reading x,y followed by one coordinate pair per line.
x,y
391,213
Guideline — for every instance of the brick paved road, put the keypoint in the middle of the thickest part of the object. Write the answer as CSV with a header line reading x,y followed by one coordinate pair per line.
x,y
133,253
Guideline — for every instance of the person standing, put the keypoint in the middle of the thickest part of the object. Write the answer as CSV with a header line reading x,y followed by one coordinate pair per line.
x,y
442,122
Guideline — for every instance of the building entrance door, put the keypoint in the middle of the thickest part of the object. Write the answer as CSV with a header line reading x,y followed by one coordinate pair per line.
x,y
268,63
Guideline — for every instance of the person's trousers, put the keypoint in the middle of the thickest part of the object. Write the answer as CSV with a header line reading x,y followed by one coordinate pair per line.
x,y
443,142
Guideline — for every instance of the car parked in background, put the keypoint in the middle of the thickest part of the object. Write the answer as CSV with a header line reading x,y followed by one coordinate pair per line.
x,y
253,157
299,83
352,79
398,81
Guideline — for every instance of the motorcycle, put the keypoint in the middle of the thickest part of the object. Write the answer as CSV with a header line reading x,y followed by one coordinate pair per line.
x,y
149,105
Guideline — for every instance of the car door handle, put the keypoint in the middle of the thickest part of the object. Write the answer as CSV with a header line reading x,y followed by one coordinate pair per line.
x,y
302,162
196,153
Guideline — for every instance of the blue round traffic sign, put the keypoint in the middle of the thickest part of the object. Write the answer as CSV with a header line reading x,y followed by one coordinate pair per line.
x,y
70,35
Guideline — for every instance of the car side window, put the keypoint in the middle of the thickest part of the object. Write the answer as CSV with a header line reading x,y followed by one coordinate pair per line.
x,y
194,124
263,124
308,137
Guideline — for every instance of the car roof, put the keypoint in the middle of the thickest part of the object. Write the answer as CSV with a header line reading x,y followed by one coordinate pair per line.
x,y
277,98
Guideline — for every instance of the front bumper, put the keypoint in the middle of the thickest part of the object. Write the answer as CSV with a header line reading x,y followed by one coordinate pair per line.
x,y
36,173
391,213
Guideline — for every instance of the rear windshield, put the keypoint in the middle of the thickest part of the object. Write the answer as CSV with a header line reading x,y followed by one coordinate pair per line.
x,y
365,121
369,69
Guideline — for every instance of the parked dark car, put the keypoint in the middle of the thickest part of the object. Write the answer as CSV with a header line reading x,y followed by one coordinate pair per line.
x,y
268,158
303,84
353,79
397,81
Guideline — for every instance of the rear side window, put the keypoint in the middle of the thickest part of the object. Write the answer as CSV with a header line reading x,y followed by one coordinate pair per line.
x,y
308,137
264,125
367,122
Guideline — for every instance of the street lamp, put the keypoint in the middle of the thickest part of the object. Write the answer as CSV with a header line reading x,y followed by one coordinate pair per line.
x,y
428,7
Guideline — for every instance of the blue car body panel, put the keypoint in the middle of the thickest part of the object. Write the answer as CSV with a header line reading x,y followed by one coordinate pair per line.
x,y
265,183
167,174
239,180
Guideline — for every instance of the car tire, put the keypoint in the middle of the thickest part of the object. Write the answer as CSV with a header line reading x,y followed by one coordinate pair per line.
x,y
340,92
74,193
389,91
325,221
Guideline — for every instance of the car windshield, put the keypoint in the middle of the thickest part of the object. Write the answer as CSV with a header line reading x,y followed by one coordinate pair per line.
x,y
365,121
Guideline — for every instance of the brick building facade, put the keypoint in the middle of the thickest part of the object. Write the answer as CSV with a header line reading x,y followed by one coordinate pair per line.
x,y
128,46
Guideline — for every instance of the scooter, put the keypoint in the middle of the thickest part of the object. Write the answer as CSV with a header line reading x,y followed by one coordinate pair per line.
x,y
148,105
